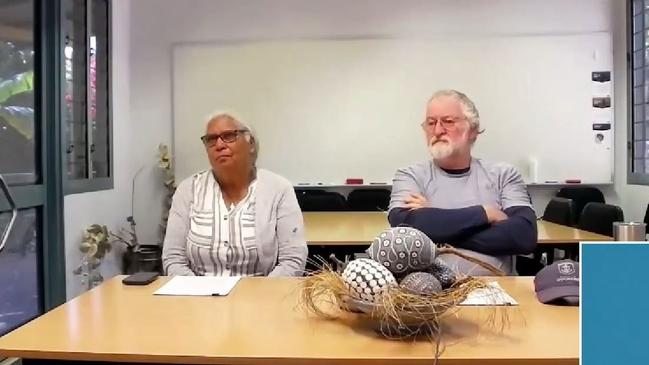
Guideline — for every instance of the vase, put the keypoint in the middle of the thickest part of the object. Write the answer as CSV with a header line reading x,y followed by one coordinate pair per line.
x,y
128,261
90,274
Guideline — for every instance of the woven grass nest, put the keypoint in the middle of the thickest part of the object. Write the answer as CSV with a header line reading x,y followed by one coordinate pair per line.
x,y
381,292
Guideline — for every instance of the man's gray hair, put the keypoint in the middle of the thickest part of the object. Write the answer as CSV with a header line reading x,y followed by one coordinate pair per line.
x,y
251,135
468,107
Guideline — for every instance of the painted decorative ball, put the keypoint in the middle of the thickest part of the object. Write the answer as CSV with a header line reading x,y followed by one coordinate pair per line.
x,y
421,283
366,279
444,274
402,250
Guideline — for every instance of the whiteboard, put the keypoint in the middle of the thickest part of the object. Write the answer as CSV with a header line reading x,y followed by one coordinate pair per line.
x,y
328,109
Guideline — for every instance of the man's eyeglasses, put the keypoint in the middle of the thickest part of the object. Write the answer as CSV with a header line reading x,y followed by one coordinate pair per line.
x,y
228,137
447,123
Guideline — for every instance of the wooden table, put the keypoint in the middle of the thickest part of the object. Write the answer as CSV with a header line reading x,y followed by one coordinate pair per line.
x,y
260,323
360,228
343,228
552,233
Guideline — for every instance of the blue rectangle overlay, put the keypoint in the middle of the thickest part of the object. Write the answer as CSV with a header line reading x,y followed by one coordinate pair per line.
x,y
614,303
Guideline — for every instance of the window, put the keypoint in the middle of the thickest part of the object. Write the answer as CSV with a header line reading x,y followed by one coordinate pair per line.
x,y
32,263
638,146
17,154
22,300
86,111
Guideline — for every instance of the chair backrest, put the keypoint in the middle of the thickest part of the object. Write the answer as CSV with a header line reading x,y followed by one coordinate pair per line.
x,y
369,200
560,211
599,218
581,195
304,196
321,202
299,191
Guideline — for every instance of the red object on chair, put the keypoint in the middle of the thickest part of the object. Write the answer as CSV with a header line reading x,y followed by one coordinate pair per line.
x,y
354,181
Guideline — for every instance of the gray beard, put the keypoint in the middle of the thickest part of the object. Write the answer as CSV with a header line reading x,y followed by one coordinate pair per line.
x,y
440,150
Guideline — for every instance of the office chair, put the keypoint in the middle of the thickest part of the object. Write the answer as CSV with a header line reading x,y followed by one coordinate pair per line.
x,y
367,200
581,195
301,192
599,218
322,201
305,197
559,210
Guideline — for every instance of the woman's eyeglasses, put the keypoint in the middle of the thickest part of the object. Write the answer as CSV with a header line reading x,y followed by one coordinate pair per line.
x,y
228,137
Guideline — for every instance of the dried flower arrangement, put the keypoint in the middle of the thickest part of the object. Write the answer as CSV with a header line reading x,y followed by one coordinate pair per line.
x,y
165,164
94,246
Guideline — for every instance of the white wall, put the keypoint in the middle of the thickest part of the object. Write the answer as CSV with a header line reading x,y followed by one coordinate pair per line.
x,y
157,24
109,207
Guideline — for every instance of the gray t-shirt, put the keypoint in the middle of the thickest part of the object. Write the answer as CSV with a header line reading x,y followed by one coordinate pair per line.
x,y
496,184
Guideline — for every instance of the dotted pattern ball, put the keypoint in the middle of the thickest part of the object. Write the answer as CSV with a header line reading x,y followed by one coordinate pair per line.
x,y
366,279
443,273
402,250
421,283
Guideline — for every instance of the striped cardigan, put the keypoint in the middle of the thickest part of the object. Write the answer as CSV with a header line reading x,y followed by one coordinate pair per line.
x,y
280,245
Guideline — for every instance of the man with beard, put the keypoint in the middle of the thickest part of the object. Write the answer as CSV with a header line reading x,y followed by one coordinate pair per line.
x,y
482,208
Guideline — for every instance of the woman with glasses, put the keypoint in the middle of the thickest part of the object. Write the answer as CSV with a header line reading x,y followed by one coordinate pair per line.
x,y
234,219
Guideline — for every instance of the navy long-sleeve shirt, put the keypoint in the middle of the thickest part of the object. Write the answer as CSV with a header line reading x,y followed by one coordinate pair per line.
x,y
468,228
454,212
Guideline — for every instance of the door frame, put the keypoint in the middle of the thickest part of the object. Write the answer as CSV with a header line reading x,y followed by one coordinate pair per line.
x,y
50,101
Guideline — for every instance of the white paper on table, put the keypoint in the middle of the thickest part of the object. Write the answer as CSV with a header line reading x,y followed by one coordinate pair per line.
x,y
493,295
198,285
